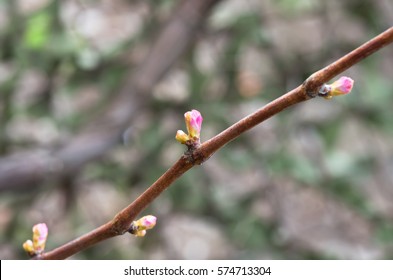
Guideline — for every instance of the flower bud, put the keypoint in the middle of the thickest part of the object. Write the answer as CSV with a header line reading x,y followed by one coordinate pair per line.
x,y
341,86
40,233
194,123
146,222
28,247
37,246
139,227
182,137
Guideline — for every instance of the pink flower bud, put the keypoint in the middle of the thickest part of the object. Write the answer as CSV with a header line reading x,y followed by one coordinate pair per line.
x,y
182,137
194,123
139,228
341,86
28,247
40,233
146,222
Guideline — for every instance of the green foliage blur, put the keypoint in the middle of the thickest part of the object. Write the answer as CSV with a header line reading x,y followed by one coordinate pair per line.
x,y
314,182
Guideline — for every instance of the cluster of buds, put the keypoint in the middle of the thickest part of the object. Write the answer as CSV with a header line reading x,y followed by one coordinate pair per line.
x,y
37,246
193,121
341,86
139,227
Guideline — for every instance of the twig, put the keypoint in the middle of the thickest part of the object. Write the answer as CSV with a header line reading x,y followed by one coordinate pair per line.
x,y
306,91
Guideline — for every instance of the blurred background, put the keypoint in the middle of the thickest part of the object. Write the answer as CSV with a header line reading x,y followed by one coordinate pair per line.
x,y
314,182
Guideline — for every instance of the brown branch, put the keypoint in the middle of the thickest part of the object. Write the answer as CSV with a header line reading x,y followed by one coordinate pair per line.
x,y
307,90
30,169
120,224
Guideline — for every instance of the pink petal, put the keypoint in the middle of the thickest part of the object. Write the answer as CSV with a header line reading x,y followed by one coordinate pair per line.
x,y
342,86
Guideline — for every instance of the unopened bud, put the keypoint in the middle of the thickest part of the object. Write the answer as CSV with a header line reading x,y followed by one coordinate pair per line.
x,y
139,227
40,233
28,247
193,121
341,86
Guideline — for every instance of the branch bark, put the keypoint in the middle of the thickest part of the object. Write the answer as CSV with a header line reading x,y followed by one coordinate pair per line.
x,y
306,91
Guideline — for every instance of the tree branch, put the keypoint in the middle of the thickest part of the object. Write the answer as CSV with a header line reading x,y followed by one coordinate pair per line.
x,y
306,91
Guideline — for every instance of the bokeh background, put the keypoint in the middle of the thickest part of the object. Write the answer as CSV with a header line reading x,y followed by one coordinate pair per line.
x,y
314,182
